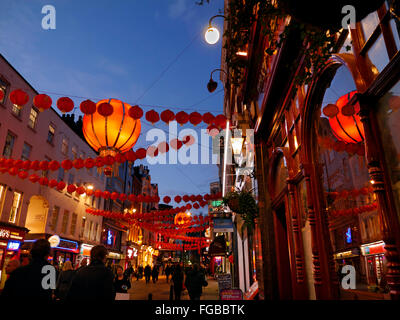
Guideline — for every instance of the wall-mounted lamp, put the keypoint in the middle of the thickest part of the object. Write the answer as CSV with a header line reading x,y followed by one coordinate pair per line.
x,y
212,85
212,34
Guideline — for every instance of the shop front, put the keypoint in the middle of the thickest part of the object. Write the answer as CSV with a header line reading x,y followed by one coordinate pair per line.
x,y
131,257
11,238
84,253
375,262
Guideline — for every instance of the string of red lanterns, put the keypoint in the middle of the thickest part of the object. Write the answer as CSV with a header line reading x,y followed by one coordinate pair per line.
x,y
350,193
65,104
340,146
354,211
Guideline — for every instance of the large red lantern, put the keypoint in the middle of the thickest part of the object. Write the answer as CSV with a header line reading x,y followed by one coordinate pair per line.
x,y
345,122
116,133
19,97
42,102
65,104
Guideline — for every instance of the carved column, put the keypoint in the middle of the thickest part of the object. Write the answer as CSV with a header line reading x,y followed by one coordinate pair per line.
x,y
299,257
388,222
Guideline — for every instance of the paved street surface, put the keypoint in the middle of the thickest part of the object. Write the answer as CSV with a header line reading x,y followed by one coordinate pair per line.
x,y
160,290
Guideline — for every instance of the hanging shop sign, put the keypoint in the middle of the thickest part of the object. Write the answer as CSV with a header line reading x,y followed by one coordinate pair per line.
x,y
85,249
252,292
131,252
6,233
222,225
373,248
68,245
231,294
54,241
355,252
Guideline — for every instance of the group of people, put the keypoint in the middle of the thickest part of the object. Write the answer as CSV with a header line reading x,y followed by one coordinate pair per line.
x,y
88,282
193,279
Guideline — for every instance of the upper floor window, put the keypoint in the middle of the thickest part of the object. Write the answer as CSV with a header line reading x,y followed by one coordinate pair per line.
x,y
64,146
3,88
74,151
26,151
73,224
9,145
33,118
51,133
54,218
16,205
16,110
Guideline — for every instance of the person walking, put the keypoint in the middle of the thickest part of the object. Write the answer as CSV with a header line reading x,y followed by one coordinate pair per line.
x,y
82,264
140,272
147,273
195,281
25,283
128,272
95,281
167,272
64,281
121,283
177,279
154,273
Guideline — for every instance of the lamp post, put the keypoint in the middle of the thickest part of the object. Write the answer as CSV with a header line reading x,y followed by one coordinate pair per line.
x,y
212,85
212,34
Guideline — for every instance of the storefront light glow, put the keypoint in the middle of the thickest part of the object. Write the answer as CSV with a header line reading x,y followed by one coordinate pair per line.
x,y
225,157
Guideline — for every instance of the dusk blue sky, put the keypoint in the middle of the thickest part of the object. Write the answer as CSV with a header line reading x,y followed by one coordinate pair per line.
x,y
118,49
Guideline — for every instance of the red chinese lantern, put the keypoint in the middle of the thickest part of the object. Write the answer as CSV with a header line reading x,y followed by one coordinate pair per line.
x,y
178,199
135,112
23,174
220,120
71,188
99,162
19,97
345,123
105,109
44,165
114,196
89,192
61,185
54,165
1,95
89,163
87,107
106,194
18,164
34,178
152,116
80,190
78,163
122,196
182,117
66,164
167,199
13,171
186,198
208,118
53,183
65,104
141,153
195,118
120,158
42,102
167,116
196,205
130,156
98,193
132,198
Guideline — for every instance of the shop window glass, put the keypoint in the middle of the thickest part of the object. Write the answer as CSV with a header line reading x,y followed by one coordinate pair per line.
x,y
16,205
51,133
342,170
378,54
389,123
33,118
16,110
3,190
369,24
3,87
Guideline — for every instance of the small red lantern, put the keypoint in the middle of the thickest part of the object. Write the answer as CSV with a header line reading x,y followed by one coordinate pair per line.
x,y
178,199
54,165
186,198
105,109
61,185
135,112
196,205
1,95
195,118
188,140
23,174
87,107
66,164
130,156
152,116
208,118
34,178
44,165
141,153
53,183
65,104
13,171
97,193
78,163
167,116
80,190
71,188
89,192
114,195
167,199
19,97
182,117
42,102
122,196
89,163
105,194
220,120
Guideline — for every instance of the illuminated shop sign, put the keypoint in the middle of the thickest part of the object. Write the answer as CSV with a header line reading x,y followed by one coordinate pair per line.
x,y
54,241
348,235
110,237
131,252
13,245
4,233
85,249
68,245
373,248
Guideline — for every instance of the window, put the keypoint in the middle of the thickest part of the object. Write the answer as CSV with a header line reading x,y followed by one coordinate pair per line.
x,y
33,118
89,236
64,146
74,152
71,178
82,232
61,174
16,205
73,224
3,87
46,172
54,218
98,234
65,221
95,229
16,110
26,151
9,145
3,190
51,133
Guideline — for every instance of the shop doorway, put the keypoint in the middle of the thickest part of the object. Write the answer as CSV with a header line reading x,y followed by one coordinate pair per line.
x,y
282,254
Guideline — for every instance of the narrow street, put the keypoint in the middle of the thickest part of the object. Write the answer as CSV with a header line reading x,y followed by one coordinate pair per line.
x,y
160,290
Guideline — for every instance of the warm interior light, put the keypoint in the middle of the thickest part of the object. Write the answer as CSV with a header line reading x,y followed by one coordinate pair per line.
x,y
211,35
237,144
372,181
134,210
241,53
90,187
